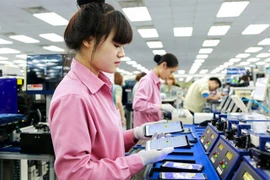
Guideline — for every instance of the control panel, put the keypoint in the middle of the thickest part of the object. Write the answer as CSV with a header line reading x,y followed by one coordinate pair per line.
x,y
224,158
209,138
248,170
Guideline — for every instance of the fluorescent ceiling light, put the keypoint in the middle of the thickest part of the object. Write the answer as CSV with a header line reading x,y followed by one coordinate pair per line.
x,y
8,51
181,71
266,41
136,72
23,56
182,31
210,43
2,41
5,62
180,79
188,78
148,33
253,49
233,60
201,56
52,37
242,55
24,39
203,71
199,60
218,30
205,50
253,59
263,55
131,62
267,60
52,18
232,9
137,14
228,63
260,63
159,52
125,58
3,58
154,44
19,61
244,63
255,29
53,48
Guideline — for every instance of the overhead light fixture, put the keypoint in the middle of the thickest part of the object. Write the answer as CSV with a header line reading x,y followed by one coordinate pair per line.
x,y
19,61
136,72
263,55
5,62
52,37
159,52
154,44
131,62
244,63
24,39
23,56
218,30
255,29
148,33
228,63
201,56
260,63
182,31
210,43
253,59
232,9
137,14
181,71
253,49
205,50
53,48
266,41
199,60
203,71
125,58
188,78
180,79
52,18
242,55
2,41
8,51
3,58
267,60
234,60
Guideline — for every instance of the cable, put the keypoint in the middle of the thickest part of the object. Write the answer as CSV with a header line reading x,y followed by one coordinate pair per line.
x,y
257,103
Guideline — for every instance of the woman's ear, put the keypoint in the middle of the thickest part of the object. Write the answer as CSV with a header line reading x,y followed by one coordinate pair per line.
x,y
88,42
164,65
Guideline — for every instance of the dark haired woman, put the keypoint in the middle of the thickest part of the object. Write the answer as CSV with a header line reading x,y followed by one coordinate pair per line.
x,y
85,125
147,101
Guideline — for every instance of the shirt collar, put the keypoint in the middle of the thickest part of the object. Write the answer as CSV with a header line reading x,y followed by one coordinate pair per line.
x,y
155,78
89,79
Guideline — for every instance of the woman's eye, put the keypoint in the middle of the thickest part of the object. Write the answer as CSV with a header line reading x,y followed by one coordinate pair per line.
x,y
117,45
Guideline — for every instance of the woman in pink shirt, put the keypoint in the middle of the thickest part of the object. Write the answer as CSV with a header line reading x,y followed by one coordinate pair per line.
x,y
85,125
147,101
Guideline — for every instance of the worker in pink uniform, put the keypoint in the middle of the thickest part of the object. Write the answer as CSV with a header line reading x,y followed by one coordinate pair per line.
x,y
85,125
147,104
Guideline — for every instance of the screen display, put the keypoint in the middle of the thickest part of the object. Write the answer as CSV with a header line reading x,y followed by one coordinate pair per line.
x,y
247,176
170,175
229,155
44,72
212,136
182,165
221,147
207,131
169,127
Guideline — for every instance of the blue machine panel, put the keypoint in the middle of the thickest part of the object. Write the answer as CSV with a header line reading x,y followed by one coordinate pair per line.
x,y
224,158
210,137
247,170
8,95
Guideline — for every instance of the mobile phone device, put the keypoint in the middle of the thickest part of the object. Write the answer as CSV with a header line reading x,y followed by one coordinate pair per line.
x,y
182,176
168,127
175,141
184,166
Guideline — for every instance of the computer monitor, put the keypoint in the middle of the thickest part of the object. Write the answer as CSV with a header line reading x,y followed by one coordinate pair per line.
x,y
261,89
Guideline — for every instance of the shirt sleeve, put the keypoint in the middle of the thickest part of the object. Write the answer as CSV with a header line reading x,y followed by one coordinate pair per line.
x,y
119,91
128,139
142,98
204,89
72,130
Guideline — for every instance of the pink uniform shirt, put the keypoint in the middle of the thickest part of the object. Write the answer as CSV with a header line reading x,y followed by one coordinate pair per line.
x,y
147,100
86,130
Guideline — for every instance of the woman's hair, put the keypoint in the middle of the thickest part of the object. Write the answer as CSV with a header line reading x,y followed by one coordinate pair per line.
x,y
97,20
139,76
172,78
169,58
118,79
80,3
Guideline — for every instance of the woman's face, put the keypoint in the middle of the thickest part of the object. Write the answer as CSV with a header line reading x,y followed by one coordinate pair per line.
x,y
166,72
169,81
107,56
